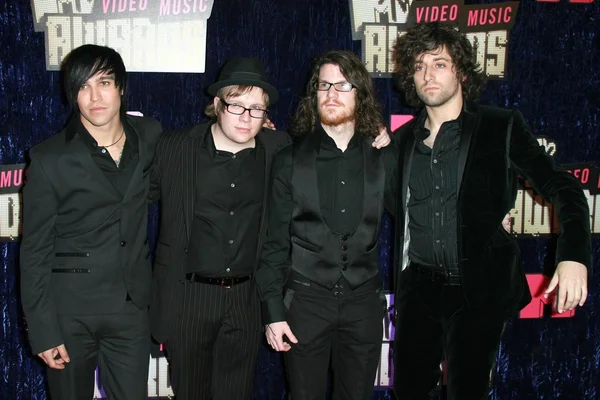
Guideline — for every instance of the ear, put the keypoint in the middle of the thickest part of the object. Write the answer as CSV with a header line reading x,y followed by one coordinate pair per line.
x,y
216,101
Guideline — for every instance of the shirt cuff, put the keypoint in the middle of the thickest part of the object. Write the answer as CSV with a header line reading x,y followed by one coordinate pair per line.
x,y
273,310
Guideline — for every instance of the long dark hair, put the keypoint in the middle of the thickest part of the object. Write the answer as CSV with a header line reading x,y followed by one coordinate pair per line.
x,y
368,110
429,37
86,61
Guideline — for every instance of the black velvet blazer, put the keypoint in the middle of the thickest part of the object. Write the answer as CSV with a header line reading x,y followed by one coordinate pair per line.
x,y
497,145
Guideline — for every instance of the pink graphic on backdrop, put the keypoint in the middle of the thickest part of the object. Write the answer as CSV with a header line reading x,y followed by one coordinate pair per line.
x,y
396,121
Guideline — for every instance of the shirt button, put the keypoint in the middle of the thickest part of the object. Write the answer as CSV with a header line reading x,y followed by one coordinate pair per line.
x,y
233,185
231,213
103,151
344,267
437,187
230,241
123,243
435,161
234,157
344,247
343,210
228,270
344,258
437,241
437,214
343,183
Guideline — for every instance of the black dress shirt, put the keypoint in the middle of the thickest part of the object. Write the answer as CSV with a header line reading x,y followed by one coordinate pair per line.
x,y
119,176
340,179
229,195
432,205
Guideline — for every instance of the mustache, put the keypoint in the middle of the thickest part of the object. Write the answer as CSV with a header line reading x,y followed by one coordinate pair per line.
x,y
333,101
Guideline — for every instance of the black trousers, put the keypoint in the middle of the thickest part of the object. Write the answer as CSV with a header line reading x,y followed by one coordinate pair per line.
x,y
118,343
338,326
213,347
433,322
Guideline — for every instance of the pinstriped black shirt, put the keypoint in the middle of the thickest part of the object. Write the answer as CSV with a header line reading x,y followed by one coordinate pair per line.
x,y
432,206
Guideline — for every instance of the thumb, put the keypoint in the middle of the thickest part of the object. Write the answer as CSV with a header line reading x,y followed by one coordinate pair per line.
x,y
552,285
63,353
291,336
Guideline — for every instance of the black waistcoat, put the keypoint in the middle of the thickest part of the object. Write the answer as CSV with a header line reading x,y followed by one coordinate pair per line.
x,y
318,253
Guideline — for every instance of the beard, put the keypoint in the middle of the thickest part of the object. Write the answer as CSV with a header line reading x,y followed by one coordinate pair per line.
x,y
336,116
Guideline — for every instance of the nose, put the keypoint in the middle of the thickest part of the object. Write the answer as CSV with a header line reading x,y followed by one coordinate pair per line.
x,y
95,94
331,92
427,74
245,116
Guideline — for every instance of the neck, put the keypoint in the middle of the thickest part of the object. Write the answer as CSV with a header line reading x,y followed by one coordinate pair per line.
x,y
105,134
223,143
436,116
341,134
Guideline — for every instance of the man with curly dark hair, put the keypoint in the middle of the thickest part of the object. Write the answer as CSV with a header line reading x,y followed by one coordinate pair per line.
x,y
459,275
321,246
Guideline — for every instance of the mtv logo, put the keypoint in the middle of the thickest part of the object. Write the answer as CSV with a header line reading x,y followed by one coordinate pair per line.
x,y
377,11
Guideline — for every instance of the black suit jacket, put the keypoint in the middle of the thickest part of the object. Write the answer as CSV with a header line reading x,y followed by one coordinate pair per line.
x,y
173,182
84,244
496,145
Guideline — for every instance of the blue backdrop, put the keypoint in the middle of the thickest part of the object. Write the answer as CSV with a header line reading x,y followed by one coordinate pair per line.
x,y
553,78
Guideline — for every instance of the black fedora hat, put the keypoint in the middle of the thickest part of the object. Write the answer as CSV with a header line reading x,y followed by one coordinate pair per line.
x,y
244,71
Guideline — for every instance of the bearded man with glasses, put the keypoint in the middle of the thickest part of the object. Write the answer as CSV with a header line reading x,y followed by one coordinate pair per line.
x,y
319,279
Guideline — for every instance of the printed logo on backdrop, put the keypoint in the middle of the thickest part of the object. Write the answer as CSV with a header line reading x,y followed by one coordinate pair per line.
x,y
12,178
378,23
150,35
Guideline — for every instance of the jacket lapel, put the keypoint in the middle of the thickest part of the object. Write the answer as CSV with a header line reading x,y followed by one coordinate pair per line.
x,y
409,149
137,177
470,124
189,150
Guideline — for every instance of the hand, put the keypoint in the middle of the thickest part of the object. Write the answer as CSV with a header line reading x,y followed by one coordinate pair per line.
x,y
49,357
383,139
571,279
268,124
274,333
507,223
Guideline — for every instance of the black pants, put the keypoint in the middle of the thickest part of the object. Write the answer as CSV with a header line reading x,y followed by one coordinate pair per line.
x,y
214,345
118,343
433,322
340,326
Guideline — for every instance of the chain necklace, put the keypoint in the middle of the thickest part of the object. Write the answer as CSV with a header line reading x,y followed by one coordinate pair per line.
x,y
118,160
118,140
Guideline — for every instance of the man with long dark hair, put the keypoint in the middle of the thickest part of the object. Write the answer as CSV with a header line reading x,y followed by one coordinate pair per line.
x,y
85,266
459,274
321,246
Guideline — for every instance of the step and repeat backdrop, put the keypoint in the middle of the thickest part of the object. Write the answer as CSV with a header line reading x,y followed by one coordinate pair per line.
x,y
540,57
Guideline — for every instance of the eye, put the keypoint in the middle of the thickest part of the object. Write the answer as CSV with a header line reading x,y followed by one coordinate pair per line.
x,y
418,67
440,65
83,87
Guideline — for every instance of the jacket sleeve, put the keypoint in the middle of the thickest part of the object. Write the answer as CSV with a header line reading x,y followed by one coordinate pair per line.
x,y
557,186
275,262
40,207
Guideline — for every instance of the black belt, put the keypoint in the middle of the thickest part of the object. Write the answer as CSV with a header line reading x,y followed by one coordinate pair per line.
x,y
225,282
436,274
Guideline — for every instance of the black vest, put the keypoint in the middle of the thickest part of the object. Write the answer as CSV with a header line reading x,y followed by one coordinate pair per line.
x,y
318,253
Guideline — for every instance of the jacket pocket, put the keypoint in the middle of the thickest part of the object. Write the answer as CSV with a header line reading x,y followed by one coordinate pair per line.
x,y
72,254
71,270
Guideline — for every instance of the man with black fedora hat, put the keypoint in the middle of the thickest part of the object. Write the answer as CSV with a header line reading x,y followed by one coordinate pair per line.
x,y
210,180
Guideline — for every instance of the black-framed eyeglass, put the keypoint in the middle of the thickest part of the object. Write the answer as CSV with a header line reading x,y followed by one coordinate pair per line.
x,y
237,109
339,86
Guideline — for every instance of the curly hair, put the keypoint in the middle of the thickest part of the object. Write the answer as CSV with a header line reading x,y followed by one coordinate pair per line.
x,y
368,111
430,37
